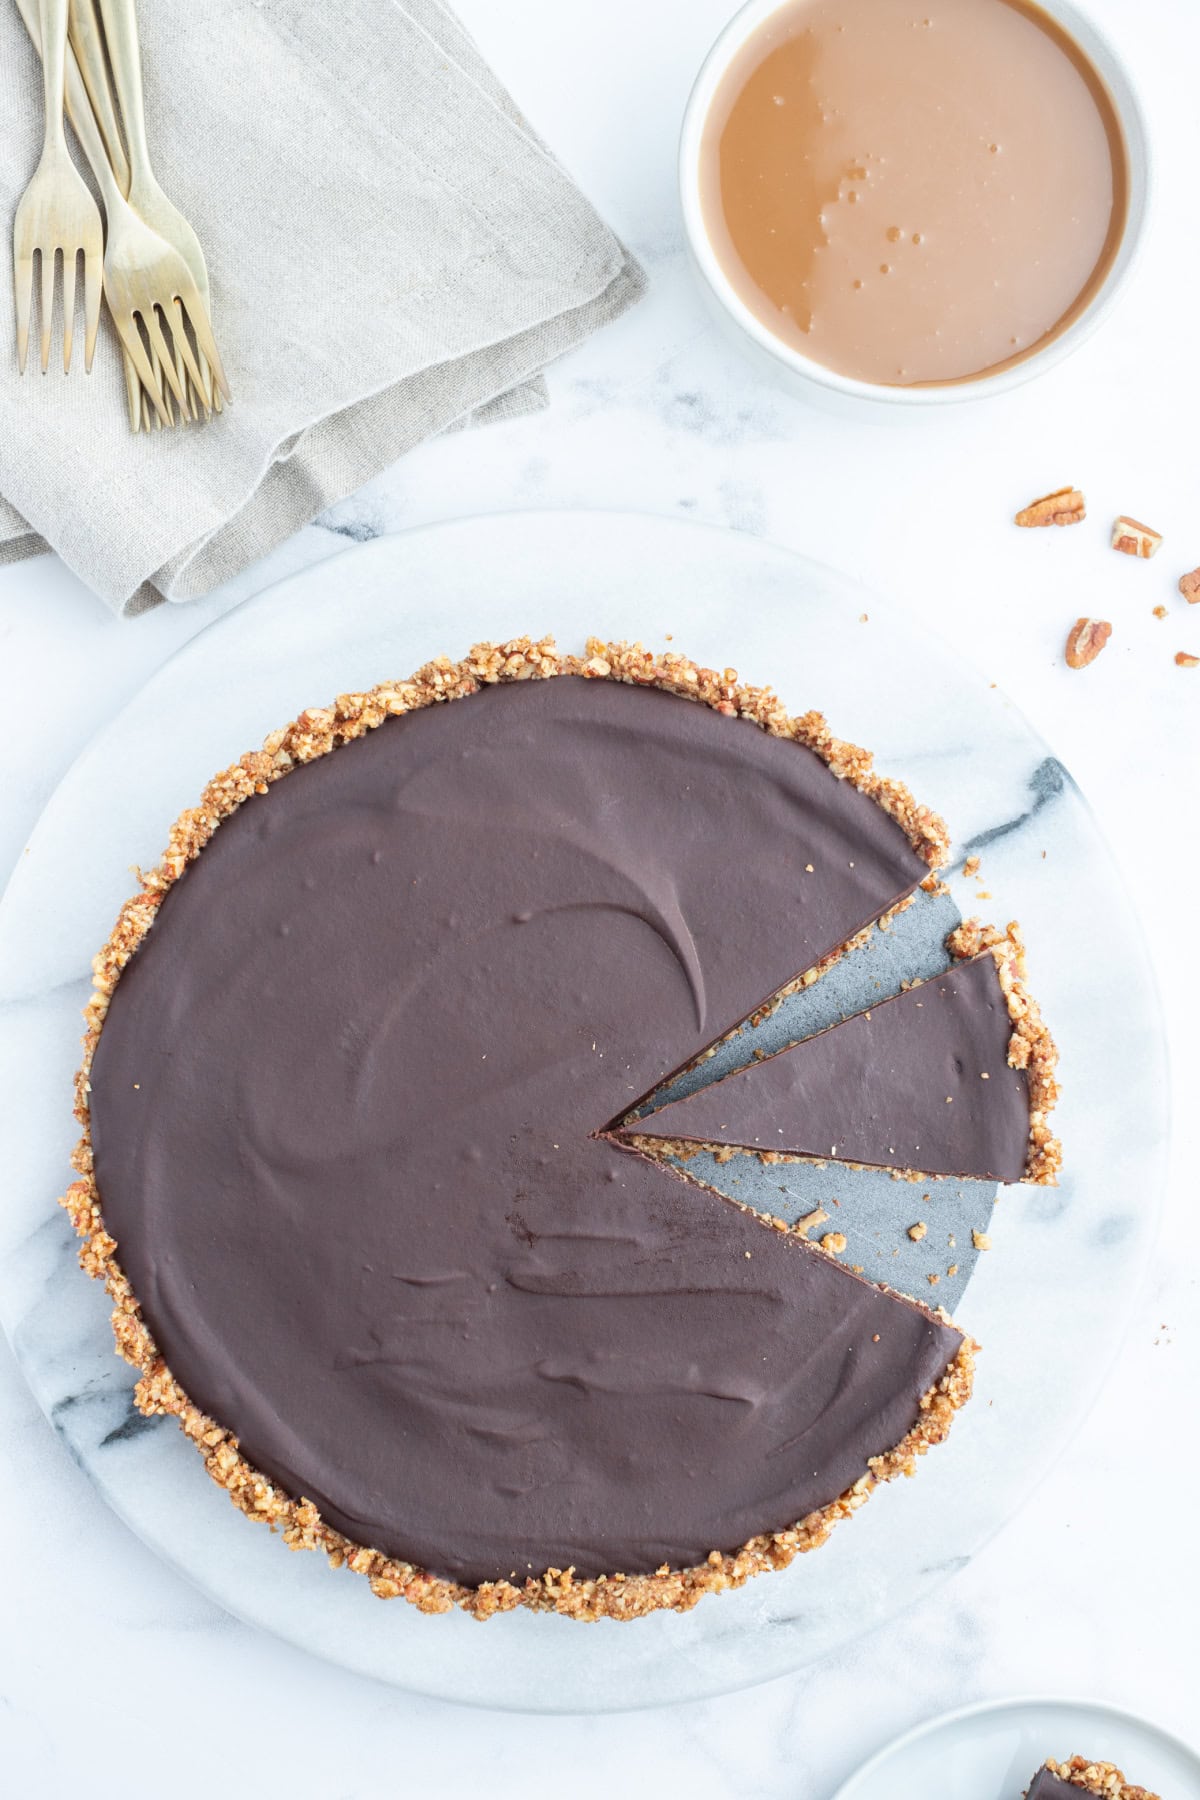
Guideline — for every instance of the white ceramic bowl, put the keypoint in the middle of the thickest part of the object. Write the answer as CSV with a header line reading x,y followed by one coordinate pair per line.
x,y
812,380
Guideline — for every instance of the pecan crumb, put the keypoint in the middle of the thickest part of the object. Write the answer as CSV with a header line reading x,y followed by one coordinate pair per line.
x,y
1184,660
981,1240
917,1232
933,1280
1065,506
810,1220
971,867
1086,640
834,1242
1133,538
953,1269
1189,587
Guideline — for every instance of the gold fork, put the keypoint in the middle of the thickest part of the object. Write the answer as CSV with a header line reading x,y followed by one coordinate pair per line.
x,y
143,275
87,41
148,200
56,215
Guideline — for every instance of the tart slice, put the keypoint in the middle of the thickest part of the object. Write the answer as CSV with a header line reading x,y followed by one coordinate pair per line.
x,y
1068,1780
952,1077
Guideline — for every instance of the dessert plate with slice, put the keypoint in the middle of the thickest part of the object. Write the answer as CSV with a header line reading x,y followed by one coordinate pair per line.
x,y
1000,1749
417,1086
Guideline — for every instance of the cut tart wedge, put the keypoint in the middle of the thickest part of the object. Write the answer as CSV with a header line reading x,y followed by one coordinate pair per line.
x,y
1077,1776
952,1077
343,1170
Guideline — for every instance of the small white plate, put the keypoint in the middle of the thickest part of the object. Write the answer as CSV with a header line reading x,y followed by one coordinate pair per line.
x,y
991,1751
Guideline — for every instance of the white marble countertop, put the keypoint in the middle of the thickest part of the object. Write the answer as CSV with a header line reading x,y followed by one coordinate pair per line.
x,y
1094,1589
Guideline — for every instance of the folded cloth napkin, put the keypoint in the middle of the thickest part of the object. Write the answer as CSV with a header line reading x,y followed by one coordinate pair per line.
x,y
391,251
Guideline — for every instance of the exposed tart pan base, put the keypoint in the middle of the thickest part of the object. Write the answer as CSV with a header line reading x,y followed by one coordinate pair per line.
x,y
673,977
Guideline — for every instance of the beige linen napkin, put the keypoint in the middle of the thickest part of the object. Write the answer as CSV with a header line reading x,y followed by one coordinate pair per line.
x,y
391,251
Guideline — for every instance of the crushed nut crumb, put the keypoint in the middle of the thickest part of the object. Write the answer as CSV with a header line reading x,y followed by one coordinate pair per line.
x,y
811,1220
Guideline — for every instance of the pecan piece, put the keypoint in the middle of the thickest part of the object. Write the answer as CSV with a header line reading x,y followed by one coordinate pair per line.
x,y
1189,587
1134,538
1065,506
1186,661
1087,639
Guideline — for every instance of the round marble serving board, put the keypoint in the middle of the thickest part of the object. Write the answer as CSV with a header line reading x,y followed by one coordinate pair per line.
x,y
1048,1301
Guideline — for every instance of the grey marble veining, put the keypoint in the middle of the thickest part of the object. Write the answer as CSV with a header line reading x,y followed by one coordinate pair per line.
x,y
1046,1301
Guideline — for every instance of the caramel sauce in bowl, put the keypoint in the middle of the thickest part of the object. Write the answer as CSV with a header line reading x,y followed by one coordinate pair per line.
x,y
904,203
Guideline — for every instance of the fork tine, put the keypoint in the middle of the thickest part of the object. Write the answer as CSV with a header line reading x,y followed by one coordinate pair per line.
x,y
184,352
69,261
93,293
156,365
209,394
196,398
185,361
133,391
164,365
197,314
131,338
189,410
168,413
23,295
48,259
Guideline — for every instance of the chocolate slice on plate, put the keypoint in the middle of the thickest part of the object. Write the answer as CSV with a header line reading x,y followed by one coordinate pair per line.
x,y
952,1077
1069,1780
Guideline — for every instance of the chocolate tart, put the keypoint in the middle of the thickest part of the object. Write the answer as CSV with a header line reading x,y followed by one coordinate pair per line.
x,y
1068,1780
352,1064
954,1076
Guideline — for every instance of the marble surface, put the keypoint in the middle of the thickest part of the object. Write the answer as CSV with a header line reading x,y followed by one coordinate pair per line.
x,y
1070,1259
657,414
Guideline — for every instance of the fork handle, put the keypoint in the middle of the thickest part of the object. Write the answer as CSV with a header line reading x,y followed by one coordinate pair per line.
x,y
79,108
53,17
121,36
87,41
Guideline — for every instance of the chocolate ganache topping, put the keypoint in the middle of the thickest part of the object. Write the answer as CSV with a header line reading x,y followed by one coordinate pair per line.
x,y
920,1082
347,1112
1048,1786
